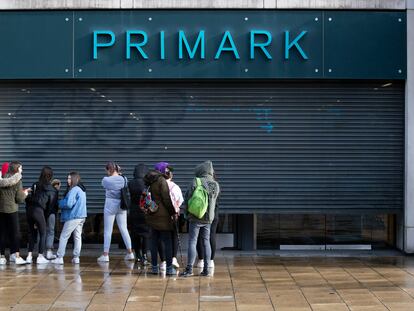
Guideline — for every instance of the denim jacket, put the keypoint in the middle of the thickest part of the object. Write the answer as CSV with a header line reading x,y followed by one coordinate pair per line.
x,y
73,205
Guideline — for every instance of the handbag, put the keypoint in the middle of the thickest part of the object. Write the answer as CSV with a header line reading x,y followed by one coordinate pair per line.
x,y
125,196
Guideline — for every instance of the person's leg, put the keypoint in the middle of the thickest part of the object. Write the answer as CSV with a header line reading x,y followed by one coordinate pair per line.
x,y
121,220
138,246
39,218
213,235
205,237
50,231
167,242
2,234
145,246
31,230
161,250
174,238
154,247
193,230
14,233
200,248
108,227
67,230
77,237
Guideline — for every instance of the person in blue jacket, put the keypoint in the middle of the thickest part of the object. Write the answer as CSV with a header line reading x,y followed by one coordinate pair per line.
x,y
73,214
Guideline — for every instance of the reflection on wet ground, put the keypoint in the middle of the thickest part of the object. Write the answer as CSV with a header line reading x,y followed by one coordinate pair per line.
x,y
239,283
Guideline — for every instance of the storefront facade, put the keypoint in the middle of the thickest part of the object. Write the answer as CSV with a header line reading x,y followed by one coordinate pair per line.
x,y
304,111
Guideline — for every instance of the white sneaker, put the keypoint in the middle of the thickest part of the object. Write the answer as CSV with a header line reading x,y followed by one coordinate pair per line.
x,y
129,256
41,259
200,263
211,264
58,261
29,259
76,260
163,266
3,260
12,257
20,261
50,255
103,258
175,263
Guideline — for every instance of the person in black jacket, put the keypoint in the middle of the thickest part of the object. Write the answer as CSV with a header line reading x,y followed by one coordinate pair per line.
x,y
50,216
140,231
42,200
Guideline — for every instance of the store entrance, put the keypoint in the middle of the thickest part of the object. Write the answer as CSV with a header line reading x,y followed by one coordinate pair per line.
x,y
326,231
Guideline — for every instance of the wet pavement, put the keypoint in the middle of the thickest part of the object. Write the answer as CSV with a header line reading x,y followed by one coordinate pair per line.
x,y
241,282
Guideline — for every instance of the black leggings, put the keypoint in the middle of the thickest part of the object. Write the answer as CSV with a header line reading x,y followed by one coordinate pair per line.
x,y
36,216
213,233
140,244
163,238
174,239
9,230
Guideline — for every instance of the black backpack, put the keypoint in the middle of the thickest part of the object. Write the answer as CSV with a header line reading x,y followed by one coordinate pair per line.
x,y
125,196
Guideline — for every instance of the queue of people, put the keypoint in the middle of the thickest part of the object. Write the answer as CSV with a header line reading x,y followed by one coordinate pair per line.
x,y
155,208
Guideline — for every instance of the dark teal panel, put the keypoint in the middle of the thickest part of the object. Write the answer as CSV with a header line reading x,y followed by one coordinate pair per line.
x,y
112,61
36,45
346,44
365,45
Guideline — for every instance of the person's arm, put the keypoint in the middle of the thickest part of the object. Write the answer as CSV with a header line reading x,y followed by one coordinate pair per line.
x,y
11,181
69,201
165,197
51,203
20,194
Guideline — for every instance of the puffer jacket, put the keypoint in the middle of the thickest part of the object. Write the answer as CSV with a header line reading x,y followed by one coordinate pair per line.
x,y
205,172
160,193
11,193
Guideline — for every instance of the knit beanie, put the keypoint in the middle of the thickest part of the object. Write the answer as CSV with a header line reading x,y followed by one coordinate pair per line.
x,y
4,168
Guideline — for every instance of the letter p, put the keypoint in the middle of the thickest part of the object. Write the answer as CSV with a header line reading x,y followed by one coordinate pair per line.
x,y
97,44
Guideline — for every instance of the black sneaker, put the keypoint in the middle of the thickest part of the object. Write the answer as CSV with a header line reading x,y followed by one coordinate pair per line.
x,y
171,271
154,270
145,261
187,273
205,273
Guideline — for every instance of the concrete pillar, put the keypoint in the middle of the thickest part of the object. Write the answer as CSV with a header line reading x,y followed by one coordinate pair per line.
x,y
409,135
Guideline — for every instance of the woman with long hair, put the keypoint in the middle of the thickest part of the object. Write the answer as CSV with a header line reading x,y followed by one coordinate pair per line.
x,y
38,204
73,215
11,196
113,184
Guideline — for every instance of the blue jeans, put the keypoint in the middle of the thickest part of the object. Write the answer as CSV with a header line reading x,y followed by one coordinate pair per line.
x,y
194,230
50,231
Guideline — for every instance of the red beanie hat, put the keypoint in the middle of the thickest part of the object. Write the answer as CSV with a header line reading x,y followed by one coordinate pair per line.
x,y
4,168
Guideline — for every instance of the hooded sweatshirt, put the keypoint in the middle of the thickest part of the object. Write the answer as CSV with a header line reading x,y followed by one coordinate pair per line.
x,y
205,172
160,193
137,186
73,206
113,186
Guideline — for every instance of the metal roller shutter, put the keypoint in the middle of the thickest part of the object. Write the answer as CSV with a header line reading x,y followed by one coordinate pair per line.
x,y
277,146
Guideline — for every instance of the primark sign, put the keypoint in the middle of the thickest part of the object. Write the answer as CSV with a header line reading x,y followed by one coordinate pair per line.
x,y
203,44
137,40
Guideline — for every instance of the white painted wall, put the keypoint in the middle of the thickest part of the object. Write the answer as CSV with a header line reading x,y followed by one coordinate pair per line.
x,y
409,135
